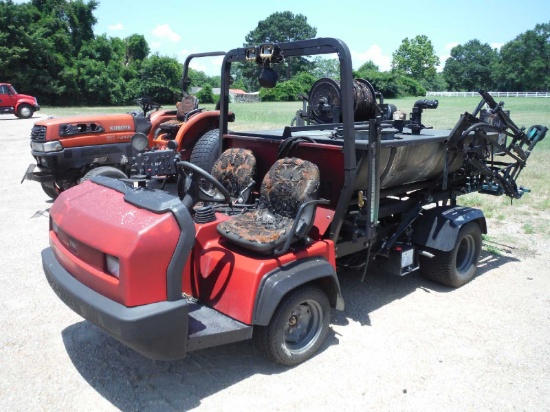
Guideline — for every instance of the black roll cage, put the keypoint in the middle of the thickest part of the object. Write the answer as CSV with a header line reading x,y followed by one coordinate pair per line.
x,y
325,45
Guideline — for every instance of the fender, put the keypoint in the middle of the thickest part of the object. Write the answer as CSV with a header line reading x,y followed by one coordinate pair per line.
x,y
277,283
438,228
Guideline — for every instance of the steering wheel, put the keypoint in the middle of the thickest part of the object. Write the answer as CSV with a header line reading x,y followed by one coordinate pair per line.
x,y
194,192
147,104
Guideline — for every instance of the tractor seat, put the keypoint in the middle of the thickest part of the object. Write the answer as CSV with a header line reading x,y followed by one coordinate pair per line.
x,y
187,105
285,214
235,170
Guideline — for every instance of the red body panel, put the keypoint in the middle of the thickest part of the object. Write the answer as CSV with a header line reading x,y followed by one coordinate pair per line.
x,y
143,242
218,273
227,278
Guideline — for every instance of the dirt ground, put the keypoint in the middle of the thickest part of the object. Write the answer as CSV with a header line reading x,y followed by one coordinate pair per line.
x,y
401,343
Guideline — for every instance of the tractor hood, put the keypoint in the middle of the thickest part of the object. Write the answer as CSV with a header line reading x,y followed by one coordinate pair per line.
x,y
113,127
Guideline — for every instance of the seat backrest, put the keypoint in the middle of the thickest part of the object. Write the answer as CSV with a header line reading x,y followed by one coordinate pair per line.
x,y
187,104
235,169
288,184
276,223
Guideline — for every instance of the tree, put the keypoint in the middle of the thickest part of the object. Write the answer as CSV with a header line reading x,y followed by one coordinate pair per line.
x,y
470,66
279,27
326,67
525,61
137,48
160,77
368,66
416,58
288,91
205,95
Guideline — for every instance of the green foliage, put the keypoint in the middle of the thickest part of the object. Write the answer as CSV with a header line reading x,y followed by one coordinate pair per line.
x,y
368,67
205,95
416,58
137,48
326,67
525,61
470,67
160,77
391,85
288,91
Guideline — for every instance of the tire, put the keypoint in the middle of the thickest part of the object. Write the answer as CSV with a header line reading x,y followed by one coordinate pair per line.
x,y
205,151
458,266
50,190
24,111
308,309
108,171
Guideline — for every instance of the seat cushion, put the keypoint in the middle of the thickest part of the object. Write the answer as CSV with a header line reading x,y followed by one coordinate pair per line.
x,y
258,230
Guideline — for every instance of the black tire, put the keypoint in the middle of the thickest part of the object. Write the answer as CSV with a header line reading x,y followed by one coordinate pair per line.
x,y
205,151
50,190
25,111
108,171
458,266
298,327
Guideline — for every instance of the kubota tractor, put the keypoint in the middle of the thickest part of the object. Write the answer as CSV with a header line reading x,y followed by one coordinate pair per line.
x,y
70,150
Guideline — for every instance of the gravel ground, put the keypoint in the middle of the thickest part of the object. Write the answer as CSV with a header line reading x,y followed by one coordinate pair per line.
x,y
401,344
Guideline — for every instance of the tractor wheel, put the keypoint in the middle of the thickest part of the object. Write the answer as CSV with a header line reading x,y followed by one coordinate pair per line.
x,y
108,171
458,266
24,111
205,152
50,190
298,327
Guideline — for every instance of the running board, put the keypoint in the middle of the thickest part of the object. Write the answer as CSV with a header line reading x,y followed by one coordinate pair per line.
x,y
208,328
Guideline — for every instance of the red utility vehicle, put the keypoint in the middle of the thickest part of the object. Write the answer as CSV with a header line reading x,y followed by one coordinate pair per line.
x,y
256,254
21,105
69,150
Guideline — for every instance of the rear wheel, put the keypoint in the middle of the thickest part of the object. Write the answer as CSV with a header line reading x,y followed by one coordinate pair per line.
x,y
24,111
298,328
108,171
205,151
458,266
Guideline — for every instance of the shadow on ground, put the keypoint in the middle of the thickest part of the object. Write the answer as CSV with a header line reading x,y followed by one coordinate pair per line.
x,y
132,382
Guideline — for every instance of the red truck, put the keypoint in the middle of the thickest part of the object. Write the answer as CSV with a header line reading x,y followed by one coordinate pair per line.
x,y
257,253
21,105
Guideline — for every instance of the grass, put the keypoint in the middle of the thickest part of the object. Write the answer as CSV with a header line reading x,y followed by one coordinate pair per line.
x,y
524,112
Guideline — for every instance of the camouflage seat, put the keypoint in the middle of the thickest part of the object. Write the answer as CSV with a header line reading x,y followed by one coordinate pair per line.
x,y
235,170
285,212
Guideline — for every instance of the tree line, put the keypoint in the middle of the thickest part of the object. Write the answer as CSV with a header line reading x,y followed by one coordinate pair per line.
x,y
48,49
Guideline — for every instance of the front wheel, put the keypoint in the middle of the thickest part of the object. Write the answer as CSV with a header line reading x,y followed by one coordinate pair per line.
x,y
458,266
24,111
104,171
50,190
298,328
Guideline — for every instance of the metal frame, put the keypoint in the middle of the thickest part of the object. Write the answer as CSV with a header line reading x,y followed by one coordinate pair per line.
x,y
326,45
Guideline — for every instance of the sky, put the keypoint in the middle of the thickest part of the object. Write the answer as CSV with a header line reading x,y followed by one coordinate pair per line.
x,y
373,30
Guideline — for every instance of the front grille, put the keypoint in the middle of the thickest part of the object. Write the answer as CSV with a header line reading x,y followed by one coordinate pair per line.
x,y
101,150
38,134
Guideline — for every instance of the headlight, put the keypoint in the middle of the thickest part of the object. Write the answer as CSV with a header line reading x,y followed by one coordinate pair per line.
x,y
113,265
55,227
55,146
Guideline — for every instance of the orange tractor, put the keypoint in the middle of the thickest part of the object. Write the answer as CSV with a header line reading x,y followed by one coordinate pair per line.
x,y
70,150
